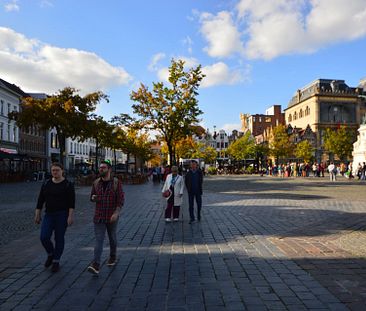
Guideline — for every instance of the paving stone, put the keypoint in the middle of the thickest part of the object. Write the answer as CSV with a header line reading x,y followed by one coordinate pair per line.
x,y
263,243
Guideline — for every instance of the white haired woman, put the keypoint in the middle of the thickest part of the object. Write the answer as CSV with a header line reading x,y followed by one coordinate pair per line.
x,y
173,192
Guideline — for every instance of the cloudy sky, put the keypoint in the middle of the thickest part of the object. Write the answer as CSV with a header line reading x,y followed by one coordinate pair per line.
x,y
254,53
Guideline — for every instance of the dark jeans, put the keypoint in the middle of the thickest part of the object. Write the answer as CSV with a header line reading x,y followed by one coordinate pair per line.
x,y
99,230
198,197
168,211
54,222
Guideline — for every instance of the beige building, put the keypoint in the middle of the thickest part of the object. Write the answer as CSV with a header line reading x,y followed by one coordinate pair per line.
x,y
326,104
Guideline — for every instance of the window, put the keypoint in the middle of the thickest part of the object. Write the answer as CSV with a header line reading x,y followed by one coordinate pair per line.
x,y
9,108
307,111
70,147
2,107
1,130
54,142
290,118
295,115
300,113
217,145
226,145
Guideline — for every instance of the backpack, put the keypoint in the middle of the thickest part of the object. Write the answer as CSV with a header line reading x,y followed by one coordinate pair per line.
x,y
115,183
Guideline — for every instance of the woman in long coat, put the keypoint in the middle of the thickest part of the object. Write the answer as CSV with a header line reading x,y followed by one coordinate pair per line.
x,y
173,192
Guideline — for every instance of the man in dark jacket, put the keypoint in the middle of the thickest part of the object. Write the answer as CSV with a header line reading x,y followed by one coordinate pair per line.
x,y
194,180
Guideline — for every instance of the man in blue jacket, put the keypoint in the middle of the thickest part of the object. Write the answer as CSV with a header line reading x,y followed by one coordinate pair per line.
x,y
193,181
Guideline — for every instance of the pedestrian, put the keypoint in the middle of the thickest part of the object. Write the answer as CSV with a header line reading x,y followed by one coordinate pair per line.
x,y
193,181
174,186
108,195
332,169
58,195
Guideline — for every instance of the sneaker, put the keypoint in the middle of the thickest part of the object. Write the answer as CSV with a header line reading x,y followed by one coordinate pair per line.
x,y
94,268
112,261
168,220
176,219
48,262
55,267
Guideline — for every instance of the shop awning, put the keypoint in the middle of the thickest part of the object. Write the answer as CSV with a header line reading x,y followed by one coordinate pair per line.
x,y
11,156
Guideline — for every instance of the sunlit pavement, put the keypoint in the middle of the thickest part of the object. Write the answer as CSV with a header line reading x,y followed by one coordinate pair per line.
x,y
263,244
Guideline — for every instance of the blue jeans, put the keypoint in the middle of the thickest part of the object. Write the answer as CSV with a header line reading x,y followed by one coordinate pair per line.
x,y
99,230
54,222
198,197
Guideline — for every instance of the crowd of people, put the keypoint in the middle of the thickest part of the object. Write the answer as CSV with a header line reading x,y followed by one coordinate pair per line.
x,y
316,169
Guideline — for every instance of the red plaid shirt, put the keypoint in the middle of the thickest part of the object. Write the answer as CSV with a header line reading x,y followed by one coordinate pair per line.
x,y
108,200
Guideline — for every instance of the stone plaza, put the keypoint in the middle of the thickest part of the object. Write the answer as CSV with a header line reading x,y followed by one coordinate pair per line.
x,y
263,243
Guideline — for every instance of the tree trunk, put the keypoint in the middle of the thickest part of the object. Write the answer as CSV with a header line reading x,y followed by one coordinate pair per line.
x,y
96,154
62,144
115,160
128,161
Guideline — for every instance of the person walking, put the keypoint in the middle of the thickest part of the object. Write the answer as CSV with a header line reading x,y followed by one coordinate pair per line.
x,y
108,195
194,181
174,185
58,195
332,171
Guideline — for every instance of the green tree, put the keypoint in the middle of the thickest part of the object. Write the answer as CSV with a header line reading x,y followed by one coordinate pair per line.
x,y
185,147
207,153
102,131
243,147
66,111
280,145
340,141
304,151
170,110
261,153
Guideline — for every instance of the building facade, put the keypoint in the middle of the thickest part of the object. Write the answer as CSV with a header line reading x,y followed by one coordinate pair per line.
x,y
10,99
325,104
258,123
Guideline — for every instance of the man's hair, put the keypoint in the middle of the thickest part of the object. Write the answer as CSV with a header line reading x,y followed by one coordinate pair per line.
x,y
194,161
106,162
57,164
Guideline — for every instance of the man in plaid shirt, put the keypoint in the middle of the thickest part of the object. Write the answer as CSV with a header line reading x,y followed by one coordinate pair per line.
x,y
108,194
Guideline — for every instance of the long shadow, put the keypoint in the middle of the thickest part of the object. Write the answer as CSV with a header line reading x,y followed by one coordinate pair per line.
x,y
225,260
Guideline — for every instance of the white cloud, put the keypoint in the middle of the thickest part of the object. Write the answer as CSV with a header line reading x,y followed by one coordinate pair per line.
x,y
46,4
12,6
163,72
187,41
215,74
265,29
222,35
229,127
39,67
220,74
153,66
297,26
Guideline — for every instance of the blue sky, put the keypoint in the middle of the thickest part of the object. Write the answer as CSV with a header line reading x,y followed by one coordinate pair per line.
x,y
255,53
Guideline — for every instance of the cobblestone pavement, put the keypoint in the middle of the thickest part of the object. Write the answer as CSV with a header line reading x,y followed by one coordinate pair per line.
x,y
263,244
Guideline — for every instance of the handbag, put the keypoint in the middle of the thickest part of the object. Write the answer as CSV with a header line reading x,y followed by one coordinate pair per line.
x,y
167,193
